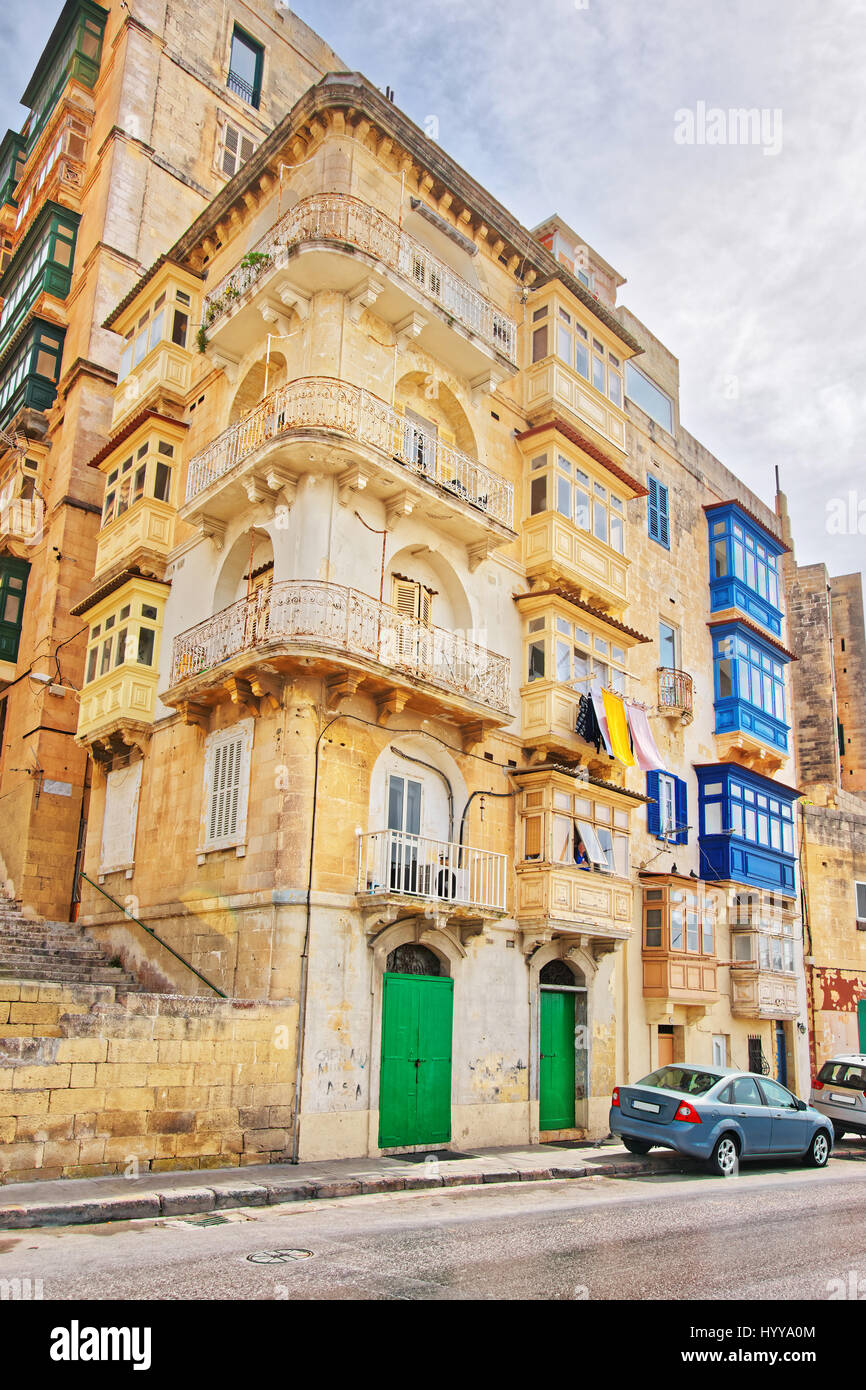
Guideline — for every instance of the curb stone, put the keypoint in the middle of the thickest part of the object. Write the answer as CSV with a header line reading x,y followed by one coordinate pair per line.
x,y
179,1201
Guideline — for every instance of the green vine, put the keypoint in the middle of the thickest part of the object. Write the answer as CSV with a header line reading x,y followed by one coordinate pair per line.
x,y
201,338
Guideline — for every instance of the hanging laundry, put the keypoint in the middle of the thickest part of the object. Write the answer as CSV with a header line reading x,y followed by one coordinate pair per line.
x,y
586,724
645,751
618,726
598,705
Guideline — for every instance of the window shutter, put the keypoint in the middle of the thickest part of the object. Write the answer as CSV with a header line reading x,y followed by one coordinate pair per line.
x,y
406,597
653,508
235,149
653,817
664,529
682,810
533,837
861,902
425,606
225,789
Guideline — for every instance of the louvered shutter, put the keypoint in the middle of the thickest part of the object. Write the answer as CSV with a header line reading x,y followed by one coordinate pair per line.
x,y
533,826
225,790
861,902
231,140
653,818
653,508
664,529
406,597
682,810
425,605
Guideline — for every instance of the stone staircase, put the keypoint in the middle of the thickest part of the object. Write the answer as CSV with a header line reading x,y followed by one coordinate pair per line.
x,y
32,948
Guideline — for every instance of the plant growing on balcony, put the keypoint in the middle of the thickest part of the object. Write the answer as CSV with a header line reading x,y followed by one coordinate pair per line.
x,y
253,259
201,338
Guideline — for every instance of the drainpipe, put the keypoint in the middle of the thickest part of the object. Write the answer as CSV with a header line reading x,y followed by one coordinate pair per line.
x,y
421,763
472,797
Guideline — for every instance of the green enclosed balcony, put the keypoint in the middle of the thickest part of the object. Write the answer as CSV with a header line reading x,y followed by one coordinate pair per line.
x,y
30,369
41,265
72,53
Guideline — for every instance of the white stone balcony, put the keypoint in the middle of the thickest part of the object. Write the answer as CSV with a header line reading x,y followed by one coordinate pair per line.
x,y
352,640
394,864
334,241
350,432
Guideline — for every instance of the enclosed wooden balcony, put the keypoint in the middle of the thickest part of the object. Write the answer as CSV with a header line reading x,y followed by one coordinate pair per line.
x,y
335,242
552,388
555,549
353,641
757,993
679,943
352,434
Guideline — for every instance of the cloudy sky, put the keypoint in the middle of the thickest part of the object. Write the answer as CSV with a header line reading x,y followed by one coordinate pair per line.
x,y
749,266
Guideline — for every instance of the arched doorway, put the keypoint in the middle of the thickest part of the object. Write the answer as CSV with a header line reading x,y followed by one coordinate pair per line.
x,y
415,1078
562,1072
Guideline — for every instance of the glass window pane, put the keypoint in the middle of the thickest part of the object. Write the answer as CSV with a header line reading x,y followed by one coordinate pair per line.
x,y
598,373
536,661
713,818
581,359
600,521
563,662
146,639
162,483
581,508
563,496
538,494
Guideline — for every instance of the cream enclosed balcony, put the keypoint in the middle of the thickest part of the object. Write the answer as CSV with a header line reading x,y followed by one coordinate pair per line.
x,y
353,641
396,865
757,993
335,242
551,387
679,944
349,432
554,548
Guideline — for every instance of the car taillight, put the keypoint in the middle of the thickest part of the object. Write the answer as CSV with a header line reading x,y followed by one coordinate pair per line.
x,y
614,1100
687,1113
817,1085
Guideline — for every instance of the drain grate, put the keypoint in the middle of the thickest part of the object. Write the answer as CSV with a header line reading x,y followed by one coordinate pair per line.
x,y
278,1257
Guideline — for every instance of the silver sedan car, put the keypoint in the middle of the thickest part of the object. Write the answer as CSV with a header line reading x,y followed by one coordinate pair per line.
x,y
720,1116
839,1092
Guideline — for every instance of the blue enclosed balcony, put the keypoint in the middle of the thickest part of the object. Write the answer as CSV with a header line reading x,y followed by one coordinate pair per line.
x,y
744,568
746,827
749,694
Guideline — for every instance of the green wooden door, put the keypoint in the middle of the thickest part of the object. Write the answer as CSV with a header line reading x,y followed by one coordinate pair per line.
x,y
556,1071
861,1024
415,1080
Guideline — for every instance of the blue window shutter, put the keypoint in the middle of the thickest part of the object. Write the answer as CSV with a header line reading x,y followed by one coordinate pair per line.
x,y
682,810
652,508
663,525
653,820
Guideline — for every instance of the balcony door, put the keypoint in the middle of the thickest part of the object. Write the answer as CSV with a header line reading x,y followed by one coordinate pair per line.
x,y
419,443
414,637
259,604
404,826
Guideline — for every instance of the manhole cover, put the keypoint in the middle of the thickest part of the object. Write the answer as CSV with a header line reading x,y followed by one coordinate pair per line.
x,y
279,1257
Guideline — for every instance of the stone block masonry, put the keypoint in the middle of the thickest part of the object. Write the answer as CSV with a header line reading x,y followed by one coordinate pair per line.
x,y
96,1082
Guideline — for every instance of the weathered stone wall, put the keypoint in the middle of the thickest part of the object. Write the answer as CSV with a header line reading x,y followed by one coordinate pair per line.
x,y
91,1084
849,657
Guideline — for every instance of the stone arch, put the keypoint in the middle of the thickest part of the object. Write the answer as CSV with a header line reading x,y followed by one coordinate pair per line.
x,y
436,402
435,818
231,584
451,606
582,967
263,373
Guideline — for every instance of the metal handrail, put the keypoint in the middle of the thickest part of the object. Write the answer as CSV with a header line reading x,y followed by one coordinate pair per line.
x,y
151,932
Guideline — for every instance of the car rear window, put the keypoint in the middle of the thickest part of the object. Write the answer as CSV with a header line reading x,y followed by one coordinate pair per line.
x,y
689,1081
843,1074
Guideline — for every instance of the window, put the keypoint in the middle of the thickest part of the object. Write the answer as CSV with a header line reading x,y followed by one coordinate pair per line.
x,y
245,67
127,636
557,484
162,322
147,472
657,512
744,565
751,671
566,828
669,647
228,755
13,587
667,809
234,148
652,401
77,54
571,654
43,263
120,818
586,355
412,599
860,898
777,1095
30,375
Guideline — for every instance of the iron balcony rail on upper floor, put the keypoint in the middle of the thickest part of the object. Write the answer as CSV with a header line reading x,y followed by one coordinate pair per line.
x,y
338,217
675,691
328,404
392,861
328,617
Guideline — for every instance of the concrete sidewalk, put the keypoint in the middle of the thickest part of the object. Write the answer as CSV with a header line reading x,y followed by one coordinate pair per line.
x,y
82,1201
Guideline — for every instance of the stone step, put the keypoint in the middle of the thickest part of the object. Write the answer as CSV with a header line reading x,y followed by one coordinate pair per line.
x,y
38,949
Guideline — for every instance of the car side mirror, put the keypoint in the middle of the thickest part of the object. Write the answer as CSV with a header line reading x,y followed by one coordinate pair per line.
x,y
801,1104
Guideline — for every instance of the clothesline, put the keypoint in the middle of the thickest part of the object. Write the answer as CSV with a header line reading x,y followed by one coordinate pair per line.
x,y
605,717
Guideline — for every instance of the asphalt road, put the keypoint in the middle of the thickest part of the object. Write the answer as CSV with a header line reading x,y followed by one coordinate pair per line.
x,y
769,1233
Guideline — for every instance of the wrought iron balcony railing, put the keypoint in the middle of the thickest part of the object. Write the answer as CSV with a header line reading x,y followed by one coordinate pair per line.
x,y
331,618
338,217
391,861
675,691
328,404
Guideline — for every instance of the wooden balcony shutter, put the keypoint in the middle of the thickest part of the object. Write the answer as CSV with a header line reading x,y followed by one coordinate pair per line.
x,y
413,600
532,844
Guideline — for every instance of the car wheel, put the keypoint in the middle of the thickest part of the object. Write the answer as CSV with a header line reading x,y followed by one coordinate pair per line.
x,y
637,1146
838,1132
725,1156
819,1150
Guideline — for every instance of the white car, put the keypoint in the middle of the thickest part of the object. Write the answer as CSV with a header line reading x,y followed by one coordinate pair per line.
x,y
839,1092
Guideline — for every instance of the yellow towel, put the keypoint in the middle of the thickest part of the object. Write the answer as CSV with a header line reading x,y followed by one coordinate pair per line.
x,y
616,723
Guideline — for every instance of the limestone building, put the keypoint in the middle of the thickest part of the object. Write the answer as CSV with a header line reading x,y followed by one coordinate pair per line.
x,y
394,549
827,627
138,116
